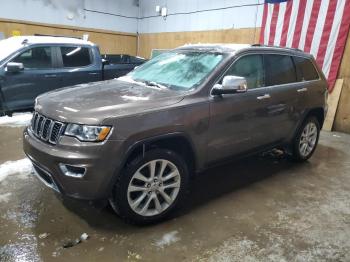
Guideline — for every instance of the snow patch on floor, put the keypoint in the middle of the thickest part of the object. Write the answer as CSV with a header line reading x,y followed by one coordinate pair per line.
x,y
5,197
16,120
167,239
21,167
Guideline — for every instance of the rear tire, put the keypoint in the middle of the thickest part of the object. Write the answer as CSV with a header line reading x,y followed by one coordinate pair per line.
x,y
306,140
151,187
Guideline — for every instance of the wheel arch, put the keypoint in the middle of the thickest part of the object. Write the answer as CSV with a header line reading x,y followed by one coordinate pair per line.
x,y
178,142
317,112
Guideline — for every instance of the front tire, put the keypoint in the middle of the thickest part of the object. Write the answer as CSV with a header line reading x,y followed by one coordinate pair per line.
x,y
151,187
306,140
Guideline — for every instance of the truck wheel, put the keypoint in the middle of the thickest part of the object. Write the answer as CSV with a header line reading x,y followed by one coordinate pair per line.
x,y
151,187
305,141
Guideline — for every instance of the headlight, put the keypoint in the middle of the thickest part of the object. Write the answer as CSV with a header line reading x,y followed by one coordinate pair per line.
x,y
87,133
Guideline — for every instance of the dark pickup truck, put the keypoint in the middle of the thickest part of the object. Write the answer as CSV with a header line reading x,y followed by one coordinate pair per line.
x,y
32,65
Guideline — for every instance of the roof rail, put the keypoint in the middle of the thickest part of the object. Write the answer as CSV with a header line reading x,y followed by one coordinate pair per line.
x,y
290,48
75,37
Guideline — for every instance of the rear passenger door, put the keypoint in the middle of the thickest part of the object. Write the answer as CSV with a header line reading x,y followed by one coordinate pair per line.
x,y
282,83
308,78
78,65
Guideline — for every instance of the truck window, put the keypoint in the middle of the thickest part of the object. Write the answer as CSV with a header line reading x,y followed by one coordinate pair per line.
x,y
251,68
35,58
75,56
136,60
305,68
279,70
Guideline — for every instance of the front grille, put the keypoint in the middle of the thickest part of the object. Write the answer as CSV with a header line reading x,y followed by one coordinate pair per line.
x,y
46,129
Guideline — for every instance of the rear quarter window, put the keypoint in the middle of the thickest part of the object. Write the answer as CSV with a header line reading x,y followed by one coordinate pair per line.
x,y
306,69
279,70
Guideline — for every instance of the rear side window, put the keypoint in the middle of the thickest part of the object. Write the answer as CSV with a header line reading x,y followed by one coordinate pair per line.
x,y
35,58
279,70
306,70
117,59
75,56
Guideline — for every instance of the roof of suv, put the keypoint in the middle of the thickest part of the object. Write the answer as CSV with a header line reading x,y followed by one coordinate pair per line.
x,y
49,40
235,48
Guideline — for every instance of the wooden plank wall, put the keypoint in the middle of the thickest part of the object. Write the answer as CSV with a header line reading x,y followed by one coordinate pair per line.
x,y
150,41
342,118
109,41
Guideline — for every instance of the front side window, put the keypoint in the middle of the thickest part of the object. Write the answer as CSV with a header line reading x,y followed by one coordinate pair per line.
x,y
251,68
279,70
75,56
306,69
35,58
178,70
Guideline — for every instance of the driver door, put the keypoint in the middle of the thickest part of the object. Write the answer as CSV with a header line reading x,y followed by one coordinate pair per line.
x,y
240,122
38,76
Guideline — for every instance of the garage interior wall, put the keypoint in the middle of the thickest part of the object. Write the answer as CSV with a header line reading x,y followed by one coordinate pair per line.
x,y
342,117
133,27
198,21
114,34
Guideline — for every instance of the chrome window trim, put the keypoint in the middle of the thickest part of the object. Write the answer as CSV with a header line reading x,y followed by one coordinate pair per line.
x,y
247,53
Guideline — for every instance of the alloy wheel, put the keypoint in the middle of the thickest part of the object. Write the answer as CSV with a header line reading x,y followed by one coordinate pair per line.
x,y
308,139
154,187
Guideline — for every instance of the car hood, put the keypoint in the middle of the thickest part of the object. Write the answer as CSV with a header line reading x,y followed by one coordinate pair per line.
x,y
92,103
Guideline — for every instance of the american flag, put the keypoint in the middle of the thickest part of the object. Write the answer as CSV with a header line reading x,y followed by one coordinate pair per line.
x,y
319,27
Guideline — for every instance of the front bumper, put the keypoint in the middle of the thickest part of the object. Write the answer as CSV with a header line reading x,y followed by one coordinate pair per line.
x,y
100,160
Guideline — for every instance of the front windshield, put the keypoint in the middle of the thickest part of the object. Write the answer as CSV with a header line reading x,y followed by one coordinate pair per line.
x,y
9,46
177,70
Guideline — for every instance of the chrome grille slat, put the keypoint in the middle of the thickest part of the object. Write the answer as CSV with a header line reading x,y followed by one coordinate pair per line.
x,y
46,129
55,132
35,121
38,127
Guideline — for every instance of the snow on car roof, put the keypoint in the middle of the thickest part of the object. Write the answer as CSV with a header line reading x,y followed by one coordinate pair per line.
x,y
218,46
49,40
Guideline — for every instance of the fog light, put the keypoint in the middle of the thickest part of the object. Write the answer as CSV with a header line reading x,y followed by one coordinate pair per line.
x,y
72,171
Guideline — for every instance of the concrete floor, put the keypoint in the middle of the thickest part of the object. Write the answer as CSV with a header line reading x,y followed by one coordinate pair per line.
x,y
258,209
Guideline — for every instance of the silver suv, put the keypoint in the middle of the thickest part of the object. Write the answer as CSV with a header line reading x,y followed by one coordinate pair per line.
x,y
138,139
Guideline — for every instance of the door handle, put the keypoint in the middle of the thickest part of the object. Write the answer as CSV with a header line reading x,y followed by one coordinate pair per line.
x,y
50,76
266,96
94,73
301,90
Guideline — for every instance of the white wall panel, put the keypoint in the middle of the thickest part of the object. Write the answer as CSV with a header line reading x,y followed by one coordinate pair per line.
x,y
76,13
241,16
72,13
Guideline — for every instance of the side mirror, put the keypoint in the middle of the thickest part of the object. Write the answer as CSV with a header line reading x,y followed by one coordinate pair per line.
x,y
14,67
230,85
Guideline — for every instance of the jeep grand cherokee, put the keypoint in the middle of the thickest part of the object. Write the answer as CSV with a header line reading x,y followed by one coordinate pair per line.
x,y
138,139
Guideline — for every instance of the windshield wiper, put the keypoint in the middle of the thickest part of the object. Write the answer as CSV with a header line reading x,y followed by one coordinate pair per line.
x,y
152,83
